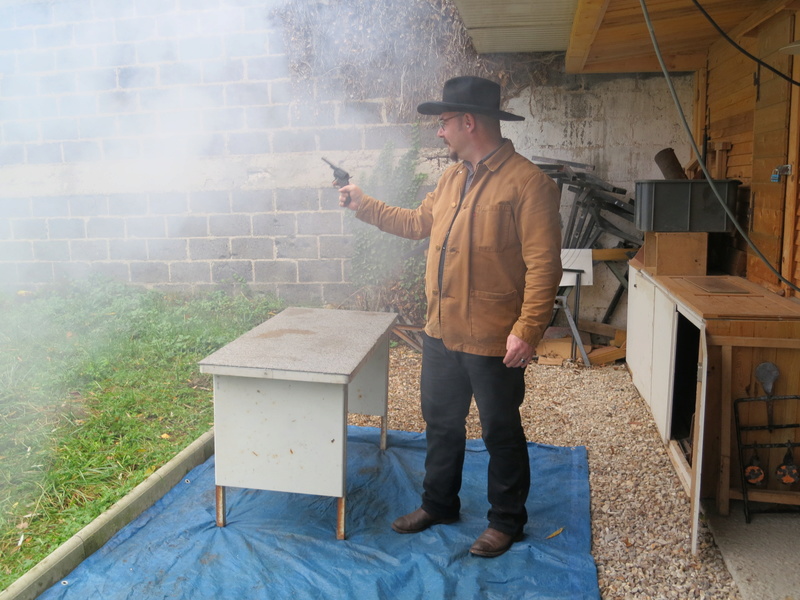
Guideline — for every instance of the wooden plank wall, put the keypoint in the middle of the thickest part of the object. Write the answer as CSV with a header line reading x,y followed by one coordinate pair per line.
x,y
750,108
730,99
728,109
770,149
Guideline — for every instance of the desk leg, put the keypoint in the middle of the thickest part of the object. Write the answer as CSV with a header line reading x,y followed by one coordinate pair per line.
x,y
384,421
220,506
340,511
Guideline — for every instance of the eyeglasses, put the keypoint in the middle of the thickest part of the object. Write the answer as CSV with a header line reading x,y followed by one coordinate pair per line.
x,y
443,122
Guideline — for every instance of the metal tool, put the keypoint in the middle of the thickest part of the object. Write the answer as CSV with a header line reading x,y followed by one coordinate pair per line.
x,y
766,374
787,471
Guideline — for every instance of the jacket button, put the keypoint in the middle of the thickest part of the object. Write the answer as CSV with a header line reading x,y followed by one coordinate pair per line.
x,y
453,204
437,247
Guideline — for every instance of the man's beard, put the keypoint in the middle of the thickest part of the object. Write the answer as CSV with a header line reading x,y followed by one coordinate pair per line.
x,y
452,154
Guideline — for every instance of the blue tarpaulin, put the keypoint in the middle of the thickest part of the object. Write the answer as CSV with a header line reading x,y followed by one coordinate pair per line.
x,y
279,545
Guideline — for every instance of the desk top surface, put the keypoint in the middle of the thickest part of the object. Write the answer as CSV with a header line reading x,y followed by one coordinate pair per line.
x,y
303,344
728,297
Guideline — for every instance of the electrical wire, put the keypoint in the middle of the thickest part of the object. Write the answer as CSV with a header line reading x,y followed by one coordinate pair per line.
x,y
739,48
697,153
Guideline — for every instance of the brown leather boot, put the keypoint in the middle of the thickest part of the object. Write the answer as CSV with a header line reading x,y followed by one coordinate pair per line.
x,y
417,521
493,543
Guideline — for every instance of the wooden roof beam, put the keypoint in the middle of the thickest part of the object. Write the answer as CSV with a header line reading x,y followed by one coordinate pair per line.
x,y
760,15
589,16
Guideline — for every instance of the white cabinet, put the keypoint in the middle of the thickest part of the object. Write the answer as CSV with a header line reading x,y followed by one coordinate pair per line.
x,y
652,325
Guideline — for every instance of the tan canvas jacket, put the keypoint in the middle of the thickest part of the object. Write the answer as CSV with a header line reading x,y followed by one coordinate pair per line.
x,y
502,262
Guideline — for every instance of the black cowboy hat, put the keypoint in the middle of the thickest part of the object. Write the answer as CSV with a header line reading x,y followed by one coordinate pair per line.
x,y
472,95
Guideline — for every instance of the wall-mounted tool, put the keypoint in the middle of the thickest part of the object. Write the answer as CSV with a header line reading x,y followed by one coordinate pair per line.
x,y
766,374
787,471
779,172
753,473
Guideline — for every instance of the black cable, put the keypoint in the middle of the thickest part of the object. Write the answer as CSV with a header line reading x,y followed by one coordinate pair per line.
x,y
696,150
739,48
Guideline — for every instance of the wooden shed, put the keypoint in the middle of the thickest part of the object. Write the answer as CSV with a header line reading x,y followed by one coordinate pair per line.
x,y
704,308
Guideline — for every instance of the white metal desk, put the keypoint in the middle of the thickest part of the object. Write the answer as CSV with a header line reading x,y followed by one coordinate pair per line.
x,y
282,392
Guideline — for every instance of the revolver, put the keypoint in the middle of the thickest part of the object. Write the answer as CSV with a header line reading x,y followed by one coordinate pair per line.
x,y
340,178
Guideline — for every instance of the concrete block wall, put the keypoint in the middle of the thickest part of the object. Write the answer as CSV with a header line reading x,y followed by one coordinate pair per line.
x,y
162,142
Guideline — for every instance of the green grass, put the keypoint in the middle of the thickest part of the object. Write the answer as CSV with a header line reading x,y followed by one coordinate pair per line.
x,y
99,387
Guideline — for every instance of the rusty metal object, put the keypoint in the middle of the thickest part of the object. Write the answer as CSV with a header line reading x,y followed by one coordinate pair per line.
x,y
340,513
221,506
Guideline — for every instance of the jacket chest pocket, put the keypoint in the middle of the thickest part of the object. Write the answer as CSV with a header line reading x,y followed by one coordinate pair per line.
x,y
492,227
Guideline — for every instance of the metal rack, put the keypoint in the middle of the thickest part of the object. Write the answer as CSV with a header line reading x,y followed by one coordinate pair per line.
x,y
742,447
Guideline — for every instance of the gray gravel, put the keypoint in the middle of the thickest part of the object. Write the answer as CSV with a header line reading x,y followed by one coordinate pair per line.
x,y
640,512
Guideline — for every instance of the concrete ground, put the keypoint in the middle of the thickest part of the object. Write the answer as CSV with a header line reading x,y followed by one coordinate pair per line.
x,y
762,556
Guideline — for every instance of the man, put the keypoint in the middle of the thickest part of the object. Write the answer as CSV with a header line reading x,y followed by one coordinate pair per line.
x,y
492,271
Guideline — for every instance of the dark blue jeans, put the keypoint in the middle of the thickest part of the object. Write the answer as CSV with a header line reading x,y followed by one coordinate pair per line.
x,y
449,381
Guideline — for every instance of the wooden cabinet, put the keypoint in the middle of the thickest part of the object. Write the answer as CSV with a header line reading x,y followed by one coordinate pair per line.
x,y
693,345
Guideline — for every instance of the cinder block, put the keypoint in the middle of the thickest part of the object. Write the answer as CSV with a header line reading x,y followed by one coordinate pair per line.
x,y
52,250
35,272
180,73
294,141
29,14
149,272
252,247
134,30
336,246
89,250
40,154
170,203
232,270
53,36
209,249
156,51
137,77
300,293
200,48
229,225
268,67
127,205
321,271
296,247
49,207
66,229
298,199
29,229
96,80
275,271
81,151
209,202
251,201
105,227
124,149
127,249
245,44
77,57
247,94
145,227
267,117
59,129
275,224
88,206
248,143
320,223
116,55
190,272
168,250
187,226
13,250
223,71
338,138
12,154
